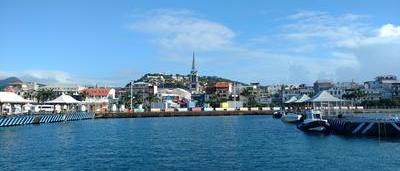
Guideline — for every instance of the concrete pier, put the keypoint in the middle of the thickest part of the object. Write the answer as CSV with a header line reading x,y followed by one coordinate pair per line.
x,y
178,114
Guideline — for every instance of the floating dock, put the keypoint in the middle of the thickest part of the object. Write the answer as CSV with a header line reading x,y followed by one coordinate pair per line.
x,y
24,119
365,126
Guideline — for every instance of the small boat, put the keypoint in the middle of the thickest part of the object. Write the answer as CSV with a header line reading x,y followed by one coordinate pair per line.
x,y
314,123
292,118
277,115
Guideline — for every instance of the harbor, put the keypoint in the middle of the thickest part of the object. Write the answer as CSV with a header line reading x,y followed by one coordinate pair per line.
x,y
214,141
199,85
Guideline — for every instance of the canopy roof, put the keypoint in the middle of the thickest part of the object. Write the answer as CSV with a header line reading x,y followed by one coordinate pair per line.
x,y
303,99
10,97
324,96
63,99
292,99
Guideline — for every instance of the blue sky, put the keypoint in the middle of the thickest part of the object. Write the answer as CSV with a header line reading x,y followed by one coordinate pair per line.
x,y
112,42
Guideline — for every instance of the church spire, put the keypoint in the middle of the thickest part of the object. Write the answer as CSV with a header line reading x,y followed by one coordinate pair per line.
x,y
194,79
193,62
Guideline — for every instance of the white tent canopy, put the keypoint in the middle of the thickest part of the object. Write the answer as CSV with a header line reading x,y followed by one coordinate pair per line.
x,y
292,99
63,99
303,99
324,96
9,97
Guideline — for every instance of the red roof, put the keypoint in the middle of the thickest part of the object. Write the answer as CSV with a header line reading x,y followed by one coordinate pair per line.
x,y
220,85
9,89
96,92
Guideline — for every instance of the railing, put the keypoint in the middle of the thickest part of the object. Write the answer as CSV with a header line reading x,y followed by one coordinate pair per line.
x,y
38,118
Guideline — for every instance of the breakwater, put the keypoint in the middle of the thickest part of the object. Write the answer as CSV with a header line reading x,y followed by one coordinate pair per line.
x,y
177,114
359,126
24,119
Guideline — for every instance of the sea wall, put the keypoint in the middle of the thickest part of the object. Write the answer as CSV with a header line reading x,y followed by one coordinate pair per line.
x,y
14,120
177,114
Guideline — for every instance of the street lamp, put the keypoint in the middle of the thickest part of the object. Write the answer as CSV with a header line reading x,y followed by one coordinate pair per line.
x,y
131,98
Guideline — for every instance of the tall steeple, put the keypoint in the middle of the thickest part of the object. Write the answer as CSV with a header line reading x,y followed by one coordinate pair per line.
x,y
194,63
194,79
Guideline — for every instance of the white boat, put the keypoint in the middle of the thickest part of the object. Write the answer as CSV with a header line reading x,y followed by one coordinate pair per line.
x,y
314,122
291,118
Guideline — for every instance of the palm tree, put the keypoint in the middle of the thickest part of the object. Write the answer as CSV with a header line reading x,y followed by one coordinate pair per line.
x,y
151,98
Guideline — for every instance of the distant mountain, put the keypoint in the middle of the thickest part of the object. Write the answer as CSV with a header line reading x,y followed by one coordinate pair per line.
x,y
9,80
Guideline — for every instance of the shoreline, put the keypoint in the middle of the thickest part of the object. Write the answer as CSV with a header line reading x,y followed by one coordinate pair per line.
x,y
178,114
106,115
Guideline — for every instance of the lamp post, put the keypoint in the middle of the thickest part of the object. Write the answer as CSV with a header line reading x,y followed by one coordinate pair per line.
x,y
131,97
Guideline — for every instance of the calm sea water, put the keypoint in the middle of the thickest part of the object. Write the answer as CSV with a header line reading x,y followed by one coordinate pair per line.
x,y
188,143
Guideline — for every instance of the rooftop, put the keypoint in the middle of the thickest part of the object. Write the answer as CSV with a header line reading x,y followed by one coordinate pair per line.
x,y
97,91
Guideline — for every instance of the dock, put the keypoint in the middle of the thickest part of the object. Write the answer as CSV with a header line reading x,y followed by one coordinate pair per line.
x,y
359,126
26,119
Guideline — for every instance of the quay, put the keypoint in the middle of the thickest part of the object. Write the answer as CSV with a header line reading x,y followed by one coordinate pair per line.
x,y
230,112
178,114
25,119
363,126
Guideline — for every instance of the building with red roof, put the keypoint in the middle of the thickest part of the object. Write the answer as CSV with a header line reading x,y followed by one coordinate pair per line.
x,y
99,99
223,89
9,89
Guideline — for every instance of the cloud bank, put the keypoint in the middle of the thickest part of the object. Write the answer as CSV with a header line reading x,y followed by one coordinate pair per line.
x,y
310,45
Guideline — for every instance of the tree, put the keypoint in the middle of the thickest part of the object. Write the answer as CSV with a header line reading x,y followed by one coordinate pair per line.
x,y
81,96
45,95
151,98
29,95
214,100
251,98
354,95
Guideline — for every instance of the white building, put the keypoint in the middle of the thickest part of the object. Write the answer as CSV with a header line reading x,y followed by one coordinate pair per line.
x,y
383,85
100,99
59,89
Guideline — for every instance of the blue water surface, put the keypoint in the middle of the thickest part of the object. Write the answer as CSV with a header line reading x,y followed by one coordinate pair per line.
x,y
188,143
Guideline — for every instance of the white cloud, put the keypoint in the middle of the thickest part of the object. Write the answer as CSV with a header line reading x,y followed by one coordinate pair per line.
x,y
47,76
389,30
356,48
181,29
313,45
42,76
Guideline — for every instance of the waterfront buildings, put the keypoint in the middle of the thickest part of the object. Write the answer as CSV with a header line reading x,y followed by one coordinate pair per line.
x,y
59,89
171,98
396,91
11,103
341,89
100,99
383,85
142,90
297,91
321,85
223,90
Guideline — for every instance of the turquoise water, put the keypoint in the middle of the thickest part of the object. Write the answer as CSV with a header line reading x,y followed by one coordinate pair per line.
x,y
188,143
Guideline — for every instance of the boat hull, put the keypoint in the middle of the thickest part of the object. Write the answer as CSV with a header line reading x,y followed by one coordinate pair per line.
x,y
315,126
277,115
291,118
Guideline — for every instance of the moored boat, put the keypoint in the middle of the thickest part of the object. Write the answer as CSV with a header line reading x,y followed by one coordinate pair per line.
x,y
292,118
314,123
277,115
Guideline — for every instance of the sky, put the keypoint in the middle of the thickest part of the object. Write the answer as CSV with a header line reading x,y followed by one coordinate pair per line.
x,y
112,42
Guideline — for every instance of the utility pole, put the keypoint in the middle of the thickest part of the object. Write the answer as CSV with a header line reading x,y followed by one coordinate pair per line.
x,y
234,94
131,96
